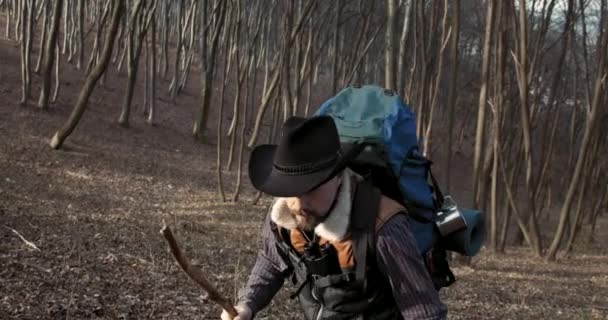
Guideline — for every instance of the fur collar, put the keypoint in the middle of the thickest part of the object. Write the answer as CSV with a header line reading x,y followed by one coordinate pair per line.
x,y
335,226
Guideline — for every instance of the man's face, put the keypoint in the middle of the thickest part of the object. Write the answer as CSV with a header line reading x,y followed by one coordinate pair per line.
x,y
310,208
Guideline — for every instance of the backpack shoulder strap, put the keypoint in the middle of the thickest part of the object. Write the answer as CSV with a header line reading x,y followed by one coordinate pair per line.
x,y
363,221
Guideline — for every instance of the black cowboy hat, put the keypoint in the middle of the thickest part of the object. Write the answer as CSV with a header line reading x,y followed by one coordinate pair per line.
x,y
308,155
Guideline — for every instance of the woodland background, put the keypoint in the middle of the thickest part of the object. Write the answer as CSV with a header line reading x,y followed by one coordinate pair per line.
x,y
117,115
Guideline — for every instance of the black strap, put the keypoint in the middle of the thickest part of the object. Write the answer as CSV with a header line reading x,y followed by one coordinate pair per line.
x,y
436,186
366,204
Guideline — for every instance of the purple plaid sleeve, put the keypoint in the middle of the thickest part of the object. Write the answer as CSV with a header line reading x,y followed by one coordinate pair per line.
x,y
412,286
268,274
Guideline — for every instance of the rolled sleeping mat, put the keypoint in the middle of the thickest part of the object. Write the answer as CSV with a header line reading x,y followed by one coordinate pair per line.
x,y
467,241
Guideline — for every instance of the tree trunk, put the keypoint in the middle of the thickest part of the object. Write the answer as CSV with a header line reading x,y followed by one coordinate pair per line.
x,y
220,117
132,62
44,36
91,79
336,39
601,202
152,96
483,96
9,14
208,58
57,67
405,32
389,50
523,82
445,36
138,27
178,27
26,40
592,120
452,89
578,212
49,57
80,33
65,27
239,171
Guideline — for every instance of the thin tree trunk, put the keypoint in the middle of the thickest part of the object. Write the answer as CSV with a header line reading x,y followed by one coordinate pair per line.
x,y
9,14
138,28
405,31
65,26
80,34
220,117
592,120
523,82
601,202
91,79
132,62
576,224
483,96
454,54
239,78
26,40
389,49
208,62
189,55
334,68
178,27
239,173
57,67
49,57
494,183
445,36
152,96
311,63
165,40
43,38
72,31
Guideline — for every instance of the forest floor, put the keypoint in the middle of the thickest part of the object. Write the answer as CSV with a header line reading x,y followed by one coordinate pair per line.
x,y
94,210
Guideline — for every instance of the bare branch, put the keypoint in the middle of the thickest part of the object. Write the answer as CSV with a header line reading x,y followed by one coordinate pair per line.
x,y
28,243
196,274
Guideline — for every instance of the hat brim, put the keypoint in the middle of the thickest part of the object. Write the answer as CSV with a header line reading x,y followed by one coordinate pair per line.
x,y
267,179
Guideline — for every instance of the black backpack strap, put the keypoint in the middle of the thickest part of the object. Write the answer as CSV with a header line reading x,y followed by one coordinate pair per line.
x,y
436,188
363,220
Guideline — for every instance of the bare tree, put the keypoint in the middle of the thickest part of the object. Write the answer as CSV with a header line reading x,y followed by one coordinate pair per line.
x,y
152,75
179,29
596,111
288,38
139,22
44,28
483,95
91,79
454,57
209,45
49,56
389,50
27,26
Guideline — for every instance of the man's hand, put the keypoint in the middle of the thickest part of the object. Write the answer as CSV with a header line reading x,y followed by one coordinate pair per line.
x,y
243,310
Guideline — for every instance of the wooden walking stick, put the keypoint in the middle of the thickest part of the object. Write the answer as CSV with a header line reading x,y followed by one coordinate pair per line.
x,y
196,274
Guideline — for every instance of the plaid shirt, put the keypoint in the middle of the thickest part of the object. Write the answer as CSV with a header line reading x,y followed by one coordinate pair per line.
x,y
397,258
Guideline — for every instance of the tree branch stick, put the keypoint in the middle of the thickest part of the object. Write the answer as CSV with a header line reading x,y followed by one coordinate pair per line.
x,y
28,243
196,274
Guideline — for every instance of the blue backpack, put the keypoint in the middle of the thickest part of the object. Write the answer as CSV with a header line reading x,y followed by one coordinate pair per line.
x,y
380,120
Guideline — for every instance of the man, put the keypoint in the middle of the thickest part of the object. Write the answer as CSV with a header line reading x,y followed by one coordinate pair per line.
x,y
343,266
